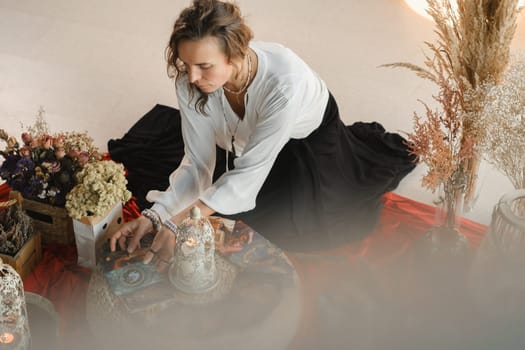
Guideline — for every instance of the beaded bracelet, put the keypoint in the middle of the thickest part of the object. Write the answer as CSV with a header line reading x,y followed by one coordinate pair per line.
x,y
154,217
171,225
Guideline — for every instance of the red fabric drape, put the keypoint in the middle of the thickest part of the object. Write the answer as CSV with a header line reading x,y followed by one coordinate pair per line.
x,y
4,191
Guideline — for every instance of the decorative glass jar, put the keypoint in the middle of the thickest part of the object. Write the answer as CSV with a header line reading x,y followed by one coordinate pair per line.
x,y
14,326
194,269
507,228
497,282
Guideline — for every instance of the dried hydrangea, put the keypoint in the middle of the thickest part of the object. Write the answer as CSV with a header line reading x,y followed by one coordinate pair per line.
x,y
100,185
81,143
504,119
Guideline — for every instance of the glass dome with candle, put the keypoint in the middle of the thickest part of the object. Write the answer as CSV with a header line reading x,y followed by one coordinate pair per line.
x,y
14,326
194,269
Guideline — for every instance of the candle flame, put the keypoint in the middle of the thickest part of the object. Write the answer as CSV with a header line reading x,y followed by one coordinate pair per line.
x,y
191,242
6,338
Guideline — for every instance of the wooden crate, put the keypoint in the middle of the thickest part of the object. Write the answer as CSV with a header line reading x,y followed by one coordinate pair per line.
x,y
27,258
52,222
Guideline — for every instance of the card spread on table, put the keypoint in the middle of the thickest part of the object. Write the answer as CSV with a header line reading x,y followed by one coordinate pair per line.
x,y
125,272
140,285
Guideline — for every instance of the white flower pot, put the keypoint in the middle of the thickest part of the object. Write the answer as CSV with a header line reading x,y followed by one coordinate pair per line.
x,y
92,231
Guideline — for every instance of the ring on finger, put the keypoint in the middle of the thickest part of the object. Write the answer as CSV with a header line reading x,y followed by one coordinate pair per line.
x,y
154,252
165,261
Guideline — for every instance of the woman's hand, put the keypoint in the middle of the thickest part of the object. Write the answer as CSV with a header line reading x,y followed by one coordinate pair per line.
x,y
162,249
130,234
133,230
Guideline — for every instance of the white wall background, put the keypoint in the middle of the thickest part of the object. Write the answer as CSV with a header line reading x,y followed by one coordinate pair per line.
x,y
98,65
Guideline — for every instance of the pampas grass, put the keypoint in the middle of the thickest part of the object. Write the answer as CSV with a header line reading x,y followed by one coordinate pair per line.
x,y
472,49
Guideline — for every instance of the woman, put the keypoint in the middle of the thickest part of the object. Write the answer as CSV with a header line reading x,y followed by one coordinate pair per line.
x,y
293,170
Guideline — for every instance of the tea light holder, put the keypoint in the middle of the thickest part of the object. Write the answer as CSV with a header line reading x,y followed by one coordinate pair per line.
x,y
193,269
14,326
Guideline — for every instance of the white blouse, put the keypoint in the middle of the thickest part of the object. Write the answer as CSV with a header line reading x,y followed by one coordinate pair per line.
x,y
285,100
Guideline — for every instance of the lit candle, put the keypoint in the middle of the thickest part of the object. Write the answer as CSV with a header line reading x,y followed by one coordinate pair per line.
x,y
6,338
188,247
193,269
14,329
191,242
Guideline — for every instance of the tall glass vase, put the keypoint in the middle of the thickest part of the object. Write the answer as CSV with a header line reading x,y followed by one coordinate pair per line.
x,y
445,237
442,253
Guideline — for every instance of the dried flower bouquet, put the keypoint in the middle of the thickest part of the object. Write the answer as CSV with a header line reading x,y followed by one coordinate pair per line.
x,y
16,227
43,166
439,141
472,49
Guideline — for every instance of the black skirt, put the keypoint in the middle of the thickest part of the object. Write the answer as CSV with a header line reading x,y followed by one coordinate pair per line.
x,y
325,190
322,191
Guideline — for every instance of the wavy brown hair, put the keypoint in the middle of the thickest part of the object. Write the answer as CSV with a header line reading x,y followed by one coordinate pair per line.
x,y
203,18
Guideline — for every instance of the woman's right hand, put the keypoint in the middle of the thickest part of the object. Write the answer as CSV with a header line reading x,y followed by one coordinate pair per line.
x,y
133,229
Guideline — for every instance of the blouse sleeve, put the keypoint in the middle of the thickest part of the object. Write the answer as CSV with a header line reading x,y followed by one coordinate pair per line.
x,y
236,190
195,172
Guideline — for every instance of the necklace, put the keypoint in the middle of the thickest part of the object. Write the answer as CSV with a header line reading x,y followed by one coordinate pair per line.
x,y
232,134
245,86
